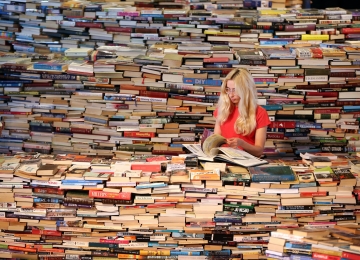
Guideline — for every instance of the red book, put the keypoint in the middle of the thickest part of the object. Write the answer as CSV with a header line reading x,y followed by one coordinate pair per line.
x,y
156,159
350,30
110,241
80,130
342,74
14,66
51,250
317,53
323,94
274,135
347,103
282,124
46,232
165,113
15,113
350,256
49,191
300,28
318,256
120,106
139,134
23,249
174,15
166,152
313,194
153,94
110,195
265,79
118,29
147,167
327,111
89,25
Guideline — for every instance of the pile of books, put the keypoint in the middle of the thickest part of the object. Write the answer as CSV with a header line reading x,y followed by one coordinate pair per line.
x,y
156,207
144,78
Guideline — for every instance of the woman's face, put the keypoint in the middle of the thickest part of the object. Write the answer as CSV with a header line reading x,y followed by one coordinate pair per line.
x,y
230,90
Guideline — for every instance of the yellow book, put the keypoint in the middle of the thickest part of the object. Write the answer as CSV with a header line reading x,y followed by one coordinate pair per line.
x,y
273,12
310,37
214,32
155,252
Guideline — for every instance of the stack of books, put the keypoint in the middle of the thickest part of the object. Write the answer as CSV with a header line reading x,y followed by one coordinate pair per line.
x,y
147,207
144,78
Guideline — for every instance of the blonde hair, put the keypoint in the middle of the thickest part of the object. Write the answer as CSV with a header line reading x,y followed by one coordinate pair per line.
x,y
245,88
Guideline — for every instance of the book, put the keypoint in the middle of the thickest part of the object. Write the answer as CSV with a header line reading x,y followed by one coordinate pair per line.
x,y
319,161
276,173
47,170
225,154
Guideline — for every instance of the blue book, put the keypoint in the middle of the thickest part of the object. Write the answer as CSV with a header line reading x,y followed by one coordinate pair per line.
x,y
47,200
257,3
300,257
11,84
58,49
15,81
218,253
176,145
169,245
152,15
304,185
274,173
153,244
250,246
151,185
272,107
294,245
351,107
210,82
48,66
228,220
274,42
308,125
24,48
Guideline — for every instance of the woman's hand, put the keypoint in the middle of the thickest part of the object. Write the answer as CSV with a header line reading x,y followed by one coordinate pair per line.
x,y
234,142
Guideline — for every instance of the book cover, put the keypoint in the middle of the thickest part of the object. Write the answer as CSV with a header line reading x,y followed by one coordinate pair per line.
x,y
274,173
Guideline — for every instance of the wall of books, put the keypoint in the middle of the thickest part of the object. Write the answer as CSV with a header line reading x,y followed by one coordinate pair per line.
x,y
125,78
101,98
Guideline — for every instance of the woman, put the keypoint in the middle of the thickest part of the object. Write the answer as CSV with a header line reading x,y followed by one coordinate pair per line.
x,y
238,117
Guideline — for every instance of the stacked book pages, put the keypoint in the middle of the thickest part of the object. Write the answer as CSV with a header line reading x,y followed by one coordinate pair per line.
x,y
62,207
132,78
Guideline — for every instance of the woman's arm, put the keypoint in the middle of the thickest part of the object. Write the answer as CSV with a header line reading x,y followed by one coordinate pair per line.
x,y
257,149
217,129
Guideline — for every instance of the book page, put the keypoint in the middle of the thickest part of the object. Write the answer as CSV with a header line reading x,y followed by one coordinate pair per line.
x,y
213,141
237,153
195,149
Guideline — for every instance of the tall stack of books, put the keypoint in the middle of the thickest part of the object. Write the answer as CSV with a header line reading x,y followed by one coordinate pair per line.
x,y
157,207
144,78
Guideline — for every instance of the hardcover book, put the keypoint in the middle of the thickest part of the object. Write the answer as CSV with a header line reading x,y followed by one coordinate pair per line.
x,y
276,173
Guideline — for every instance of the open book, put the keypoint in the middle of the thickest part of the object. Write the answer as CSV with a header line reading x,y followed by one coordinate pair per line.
x,y
210,150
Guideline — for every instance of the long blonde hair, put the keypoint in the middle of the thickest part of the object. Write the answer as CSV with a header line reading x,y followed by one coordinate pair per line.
x,y
245,88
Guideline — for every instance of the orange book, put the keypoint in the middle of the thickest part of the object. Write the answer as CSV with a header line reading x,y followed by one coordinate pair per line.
x,y
110,195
